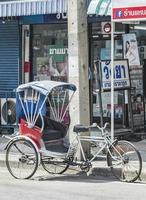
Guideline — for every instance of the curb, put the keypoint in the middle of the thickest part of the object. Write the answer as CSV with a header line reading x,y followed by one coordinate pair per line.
x,y
2,160
100,170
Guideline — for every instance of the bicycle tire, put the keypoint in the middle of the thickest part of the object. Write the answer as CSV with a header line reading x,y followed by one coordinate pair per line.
x,y
54,165
22,159
125,161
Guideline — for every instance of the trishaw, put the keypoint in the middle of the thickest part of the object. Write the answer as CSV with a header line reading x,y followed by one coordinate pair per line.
x,y
43,117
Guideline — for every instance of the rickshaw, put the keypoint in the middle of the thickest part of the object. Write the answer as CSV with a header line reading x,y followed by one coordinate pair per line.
x,y
44,119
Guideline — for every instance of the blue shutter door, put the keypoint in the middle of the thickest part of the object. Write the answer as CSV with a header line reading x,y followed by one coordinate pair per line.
x,y
9,56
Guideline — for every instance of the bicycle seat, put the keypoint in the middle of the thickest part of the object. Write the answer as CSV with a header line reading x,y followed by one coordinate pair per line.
x,y
80,128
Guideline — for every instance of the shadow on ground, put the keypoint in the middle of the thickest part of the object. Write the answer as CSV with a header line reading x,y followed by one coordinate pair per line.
x,y
76,178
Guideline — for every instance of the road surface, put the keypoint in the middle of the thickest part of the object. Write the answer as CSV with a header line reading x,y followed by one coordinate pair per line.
x,y
68,187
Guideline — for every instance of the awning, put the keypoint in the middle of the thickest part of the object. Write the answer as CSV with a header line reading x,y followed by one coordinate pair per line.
x,y
32,7
99,7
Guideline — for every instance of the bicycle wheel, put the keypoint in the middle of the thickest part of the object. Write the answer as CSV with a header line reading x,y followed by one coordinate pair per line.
x,y
125,161
21,159
54,165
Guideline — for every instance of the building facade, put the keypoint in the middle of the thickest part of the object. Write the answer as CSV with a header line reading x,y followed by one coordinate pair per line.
x,y
39,40
36,44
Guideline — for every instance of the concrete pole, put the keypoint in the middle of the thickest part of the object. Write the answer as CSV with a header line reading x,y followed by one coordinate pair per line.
x,y
78,63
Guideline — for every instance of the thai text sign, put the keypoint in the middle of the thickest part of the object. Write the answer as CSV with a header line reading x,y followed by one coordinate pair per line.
x,y
121,74
128,10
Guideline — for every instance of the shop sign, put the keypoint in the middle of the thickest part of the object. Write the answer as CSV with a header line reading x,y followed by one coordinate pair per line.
x,y
58,52
128,10
121,74
106,27
61,16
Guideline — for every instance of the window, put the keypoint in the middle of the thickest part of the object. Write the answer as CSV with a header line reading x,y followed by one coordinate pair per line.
x,y
50,52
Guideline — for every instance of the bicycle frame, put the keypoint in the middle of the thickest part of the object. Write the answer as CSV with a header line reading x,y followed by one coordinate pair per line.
x,y
104,142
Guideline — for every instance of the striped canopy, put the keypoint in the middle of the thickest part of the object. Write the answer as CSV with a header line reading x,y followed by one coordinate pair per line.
x,y
32,7
99,8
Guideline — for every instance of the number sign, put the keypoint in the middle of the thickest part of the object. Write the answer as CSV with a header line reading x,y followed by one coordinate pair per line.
x,y
121,74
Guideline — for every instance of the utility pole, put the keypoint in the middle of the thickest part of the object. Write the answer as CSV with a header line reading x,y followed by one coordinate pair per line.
x,y
78,63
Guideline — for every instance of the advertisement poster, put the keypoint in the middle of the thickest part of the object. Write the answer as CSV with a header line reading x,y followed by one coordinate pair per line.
x,y
106,98
121,74
137,97
54,66
43,69
58,59
131,49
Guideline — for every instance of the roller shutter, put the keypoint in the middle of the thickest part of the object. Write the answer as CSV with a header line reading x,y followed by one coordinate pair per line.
x,y
9,56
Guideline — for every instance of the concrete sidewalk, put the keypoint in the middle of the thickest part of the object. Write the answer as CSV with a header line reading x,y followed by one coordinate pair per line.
x,y
100,166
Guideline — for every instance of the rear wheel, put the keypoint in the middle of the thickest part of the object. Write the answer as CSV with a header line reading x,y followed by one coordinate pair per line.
x,y
54,165
125,161
21,159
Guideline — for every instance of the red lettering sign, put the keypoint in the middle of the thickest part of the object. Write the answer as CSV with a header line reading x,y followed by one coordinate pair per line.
x,y
131,13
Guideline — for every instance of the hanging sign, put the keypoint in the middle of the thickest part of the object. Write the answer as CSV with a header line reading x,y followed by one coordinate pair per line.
x,y
106,27
121,74
128,10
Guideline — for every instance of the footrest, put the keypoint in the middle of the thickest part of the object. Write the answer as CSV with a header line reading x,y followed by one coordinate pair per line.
x,y
80,128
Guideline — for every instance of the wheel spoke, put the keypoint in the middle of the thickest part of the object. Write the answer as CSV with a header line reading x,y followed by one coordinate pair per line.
x,y
125,161
54,165
21,159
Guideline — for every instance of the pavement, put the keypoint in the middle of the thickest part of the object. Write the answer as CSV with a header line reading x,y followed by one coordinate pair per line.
x,y
99,167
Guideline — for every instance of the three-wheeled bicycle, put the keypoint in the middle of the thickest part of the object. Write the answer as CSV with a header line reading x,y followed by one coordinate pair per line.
x,y
43,116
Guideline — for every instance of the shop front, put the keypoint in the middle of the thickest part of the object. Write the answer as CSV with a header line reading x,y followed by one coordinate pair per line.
x,y
44,48
129,97
33,47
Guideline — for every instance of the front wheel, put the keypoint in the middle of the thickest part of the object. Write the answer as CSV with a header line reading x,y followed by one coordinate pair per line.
x,y
125,161
22,158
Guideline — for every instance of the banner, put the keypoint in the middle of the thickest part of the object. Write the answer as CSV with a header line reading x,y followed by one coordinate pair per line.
x,y
128,10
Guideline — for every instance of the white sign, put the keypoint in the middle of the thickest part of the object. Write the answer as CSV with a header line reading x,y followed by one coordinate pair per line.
x,y
131,49
129,3
121,74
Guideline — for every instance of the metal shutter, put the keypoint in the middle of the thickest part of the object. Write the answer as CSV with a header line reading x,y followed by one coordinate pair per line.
x,y
9,56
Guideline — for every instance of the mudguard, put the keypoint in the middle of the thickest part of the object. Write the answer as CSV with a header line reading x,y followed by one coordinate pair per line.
x,y
26,138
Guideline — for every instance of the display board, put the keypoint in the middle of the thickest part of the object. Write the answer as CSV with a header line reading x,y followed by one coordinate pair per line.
x,y
121,74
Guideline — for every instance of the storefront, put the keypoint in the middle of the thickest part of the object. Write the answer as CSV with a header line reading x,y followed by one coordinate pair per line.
x,y
129,106
33,47
44,53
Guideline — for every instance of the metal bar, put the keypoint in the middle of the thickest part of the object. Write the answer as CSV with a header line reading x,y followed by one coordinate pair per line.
x,y
20,98
32,105
67,106
112,80
61,112
27,108
36,108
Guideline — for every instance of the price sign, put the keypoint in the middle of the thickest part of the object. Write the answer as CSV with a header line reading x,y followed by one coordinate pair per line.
x,y
121,74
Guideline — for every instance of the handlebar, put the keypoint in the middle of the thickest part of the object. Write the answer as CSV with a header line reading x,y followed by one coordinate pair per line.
x,y
94,125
